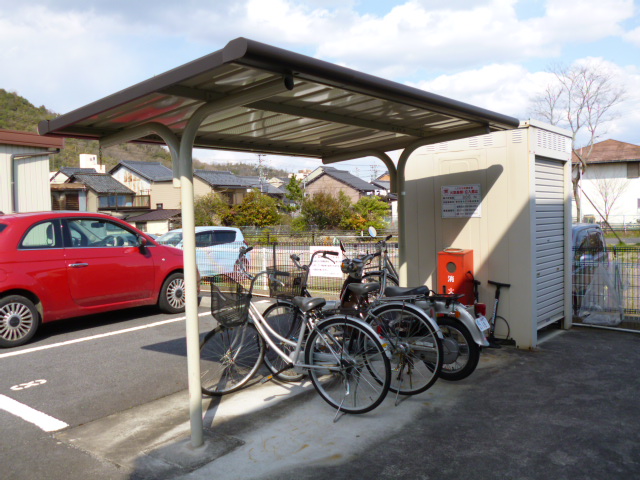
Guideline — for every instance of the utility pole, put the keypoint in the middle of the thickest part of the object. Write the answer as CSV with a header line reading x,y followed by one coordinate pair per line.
x,y
261,171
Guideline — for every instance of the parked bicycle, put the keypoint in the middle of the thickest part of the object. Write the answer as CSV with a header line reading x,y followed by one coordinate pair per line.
x,y
348,364
417,354
458,322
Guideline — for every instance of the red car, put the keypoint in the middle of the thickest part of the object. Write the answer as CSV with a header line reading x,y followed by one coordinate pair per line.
x,y
56,265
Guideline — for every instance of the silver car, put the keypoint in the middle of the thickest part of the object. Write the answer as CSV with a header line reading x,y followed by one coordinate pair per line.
x,y
217,248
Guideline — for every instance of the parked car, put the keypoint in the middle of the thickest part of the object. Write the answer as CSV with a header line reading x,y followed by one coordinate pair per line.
x,y
589,252
56,265
217,248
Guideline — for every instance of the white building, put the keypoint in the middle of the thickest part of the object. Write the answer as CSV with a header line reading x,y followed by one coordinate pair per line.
x,y
611,184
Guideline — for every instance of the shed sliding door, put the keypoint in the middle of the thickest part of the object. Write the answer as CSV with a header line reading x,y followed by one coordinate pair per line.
x,y
549,235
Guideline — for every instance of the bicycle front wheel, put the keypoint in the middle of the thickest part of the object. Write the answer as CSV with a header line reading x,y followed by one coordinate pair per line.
x,y
285,320
348,365
416,349
229,357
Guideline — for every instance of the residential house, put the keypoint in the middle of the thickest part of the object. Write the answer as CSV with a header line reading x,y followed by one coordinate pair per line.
x,y
88,164
263,186
228,185
24,171
331,180
611,183
103,193
157,222
151,181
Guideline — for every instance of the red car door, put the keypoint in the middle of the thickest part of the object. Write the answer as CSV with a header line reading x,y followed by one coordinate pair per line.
x,y
105,266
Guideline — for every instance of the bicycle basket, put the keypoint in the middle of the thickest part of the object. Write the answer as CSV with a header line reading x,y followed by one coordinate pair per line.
x,y
293,282
229,301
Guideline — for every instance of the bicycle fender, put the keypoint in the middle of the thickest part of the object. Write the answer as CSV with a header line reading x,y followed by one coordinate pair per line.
x,y
412,308
351,317
463,317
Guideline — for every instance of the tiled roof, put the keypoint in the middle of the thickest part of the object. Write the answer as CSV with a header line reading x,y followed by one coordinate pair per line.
x,y
609,151
346,178
153,215
220,179
101,183
385,185
152,171
268,188
68,171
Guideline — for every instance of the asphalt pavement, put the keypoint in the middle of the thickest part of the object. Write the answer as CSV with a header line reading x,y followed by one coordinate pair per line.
x,y
568,410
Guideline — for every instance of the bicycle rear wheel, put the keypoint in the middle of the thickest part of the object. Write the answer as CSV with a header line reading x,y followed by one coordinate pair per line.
x,y
286,320
229,357
349,366
416,349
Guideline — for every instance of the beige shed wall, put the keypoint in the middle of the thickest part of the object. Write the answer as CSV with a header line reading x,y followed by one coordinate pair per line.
x,y
502,239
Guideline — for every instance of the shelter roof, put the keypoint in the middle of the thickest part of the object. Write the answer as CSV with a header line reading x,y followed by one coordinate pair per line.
x,y
323,109
152,171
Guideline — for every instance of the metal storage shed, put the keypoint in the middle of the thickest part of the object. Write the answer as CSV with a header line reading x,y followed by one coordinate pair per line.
x,y
254,97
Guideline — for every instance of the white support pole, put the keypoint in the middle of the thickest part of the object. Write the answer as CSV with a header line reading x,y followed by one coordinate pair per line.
x,y
250,95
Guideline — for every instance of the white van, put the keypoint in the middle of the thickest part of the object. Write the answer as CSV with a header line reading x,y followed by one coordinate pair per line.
x,y
217,248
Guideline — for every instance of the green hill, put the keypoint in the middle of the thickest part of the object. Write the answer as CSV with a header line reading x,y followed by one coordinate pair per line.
x,y
17,113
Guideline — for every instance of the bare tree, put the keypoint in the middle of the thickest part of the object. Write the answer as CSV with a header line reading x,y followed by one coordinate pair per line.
x,y
608,191
581,98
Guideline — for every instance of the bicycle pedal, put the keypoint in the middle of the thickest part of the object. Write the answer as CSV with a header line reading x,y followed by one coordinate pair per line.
x,y
266,379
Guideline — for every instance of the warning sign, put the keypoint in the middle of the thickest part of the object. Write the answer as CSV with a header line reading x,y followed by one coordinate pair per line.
x,y
461,201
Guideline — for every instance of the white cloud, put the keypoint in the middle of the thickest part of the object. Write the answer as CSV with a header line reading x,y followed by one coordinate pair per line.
x,y
633,36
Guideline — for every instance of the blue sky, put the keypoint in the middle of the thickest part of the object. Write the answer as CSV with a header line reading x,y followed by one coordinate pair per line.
x,y
491,53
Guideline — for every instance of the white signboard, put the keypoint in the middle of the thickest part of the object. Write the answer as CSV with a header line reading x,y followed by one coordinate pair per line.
x,y
461,201
328,266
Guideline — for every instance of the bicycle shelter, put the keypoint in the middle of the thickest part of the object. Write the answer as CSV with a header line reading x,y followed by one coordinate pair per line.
x,y
254,97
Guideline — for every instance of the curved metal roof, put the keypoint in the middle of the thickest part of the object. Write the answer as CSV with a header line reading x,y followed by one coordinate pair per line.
x,y
329,110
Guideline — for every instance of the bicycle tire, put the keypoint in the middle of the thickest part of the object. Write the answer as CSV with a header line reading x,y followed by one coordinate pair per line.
x,y
229,357
416,349
469,351
285,319
342,352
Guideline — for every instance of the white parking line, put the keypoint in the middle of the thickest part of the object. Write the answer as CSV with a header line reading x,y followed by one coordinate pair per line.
x,y
42,420
94,337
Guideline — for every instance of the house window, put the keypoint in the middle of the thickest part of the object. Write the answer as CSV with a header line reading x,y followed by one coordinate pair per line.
x,y
142,226
159,206
110,201
633,170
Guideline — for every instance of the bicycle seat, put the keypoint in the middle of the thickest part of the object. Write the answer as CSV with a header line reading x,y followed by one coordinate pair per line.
x,y
498,284
363,288
306,304
394,291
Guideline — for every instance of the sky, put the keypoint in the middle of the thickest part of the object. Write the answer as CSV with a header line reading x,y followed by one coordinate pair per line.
x,y
494,54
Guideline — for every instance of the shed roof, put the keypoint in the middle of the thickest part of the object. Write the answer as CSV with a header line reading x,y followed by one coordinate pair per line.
x,y
101,183
325,109
152,171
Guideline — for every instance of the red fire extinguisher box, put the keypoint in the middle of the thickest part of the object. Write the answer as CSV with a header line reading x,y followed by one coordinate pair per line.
x,y
453,265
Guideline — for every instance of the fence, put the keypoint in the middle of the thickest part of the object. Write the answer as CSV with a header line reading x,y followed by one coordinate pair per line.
x,y
606,287
608,280
277,254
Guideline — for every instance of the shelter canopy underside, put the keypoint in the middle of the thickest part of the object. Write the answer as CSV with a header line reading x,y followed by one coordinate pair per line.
x,y
324,110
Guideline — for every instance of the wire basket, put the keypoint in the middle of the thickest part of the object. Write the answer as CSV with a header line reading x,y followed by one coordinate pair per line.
x,y
229,301
293,282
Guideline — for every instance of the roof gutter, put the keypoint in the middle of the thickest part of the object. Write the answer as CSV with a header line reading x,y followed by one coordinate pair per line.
x,y
12,170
